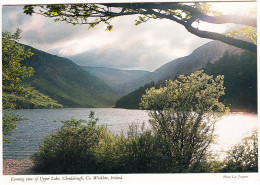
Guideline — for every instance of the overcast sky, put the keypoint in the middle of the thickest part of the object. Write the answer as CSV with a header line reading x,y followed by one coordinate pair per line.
x,y
145,47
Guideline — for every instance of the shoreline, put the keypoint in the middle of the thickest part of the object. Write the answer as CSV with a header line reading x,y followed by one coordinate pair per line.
x,y
231,111
18,167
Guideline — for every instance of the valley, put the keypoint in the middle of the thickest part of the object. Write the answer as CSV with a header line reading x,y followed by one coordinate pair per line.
x,y
70,85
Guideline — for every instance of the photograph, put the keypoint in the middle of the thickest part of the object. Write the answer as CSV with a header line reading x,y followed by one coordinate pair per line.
x,y
100,91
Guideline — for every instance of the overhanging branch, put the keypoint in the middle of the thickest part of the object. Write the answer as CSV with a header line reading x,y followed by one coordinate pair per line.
x,y
151,10
225,39
211,35
221,19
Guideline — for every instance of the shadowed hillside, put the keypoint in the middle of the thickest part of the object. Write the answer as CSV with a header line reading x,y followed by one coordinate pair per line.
x,y
66,82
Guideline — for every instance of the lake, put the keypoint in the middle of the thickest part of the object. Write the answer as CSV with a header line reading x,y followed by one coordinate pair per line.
x,y
29,134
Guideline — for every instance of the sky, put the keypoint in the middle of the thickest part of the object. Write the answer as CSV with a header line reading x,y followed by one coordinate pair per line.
x,y
144,47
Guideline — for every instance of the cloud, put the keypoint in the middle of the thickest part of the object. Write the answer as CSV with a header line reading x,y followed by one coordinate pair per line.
x,y
12,17
147,46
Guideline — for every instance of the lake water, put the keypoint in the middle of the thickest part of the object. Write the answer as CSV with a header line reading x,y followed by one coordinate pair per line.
x,y
29,134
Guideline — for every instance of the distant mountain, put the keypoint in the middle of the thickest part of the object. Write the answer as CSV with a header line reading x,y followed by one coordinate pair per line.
x,y
117,79
67,83
209,52
199,58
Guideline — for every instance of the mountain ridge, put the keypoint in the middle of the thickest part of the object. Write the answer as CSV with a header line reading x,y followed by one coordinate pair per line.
x,y
64,81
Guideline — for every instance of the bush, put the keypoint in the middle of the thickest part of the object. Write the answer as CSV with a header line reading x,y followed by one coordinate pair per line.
x,y
243,157
135,152
71,148
77,148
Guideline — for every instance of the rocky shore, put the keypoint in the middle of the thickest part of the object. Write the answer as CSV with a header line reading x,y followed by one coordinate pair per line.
x,y
17,167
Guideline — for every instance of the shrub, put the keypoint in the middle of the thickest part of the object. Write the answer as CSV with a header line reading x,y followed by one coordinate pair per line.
x,y
71,148
134,152
243,157
147,154
77,148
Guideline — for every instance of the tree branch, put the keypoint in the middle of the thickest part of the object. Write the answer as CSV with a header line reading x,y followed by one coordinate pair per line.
x,y
211,35
225,39
188,15
222,19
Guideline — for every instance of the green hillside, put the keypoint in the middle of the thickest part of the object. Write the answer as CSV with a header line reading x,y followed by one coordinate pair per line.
x,y
35,100
68,84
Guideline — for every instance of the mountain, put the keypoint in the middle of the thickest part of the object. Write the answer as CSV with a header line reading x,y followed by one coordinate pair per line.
x,y
240,80
35,100
117,79
209,52
67,83
201,57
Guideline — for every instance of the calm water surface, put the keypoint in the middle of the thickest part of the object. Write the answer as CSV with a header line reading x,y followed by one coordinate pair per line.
x,y
29,134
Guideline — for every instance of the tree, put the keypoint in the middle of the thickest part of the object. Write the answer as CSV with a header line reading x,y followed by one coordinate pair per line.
x,y
12,71
183,113
12,75
184,14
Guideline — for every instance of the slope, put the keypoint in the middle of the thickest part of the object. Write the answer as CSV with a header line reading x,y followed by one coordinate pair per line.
x,y
240,80
65,82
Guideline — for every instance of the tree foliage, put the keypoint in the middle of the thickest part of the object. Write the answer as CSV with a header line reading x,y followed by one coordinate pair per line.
x,y
9,123
246,32
84,147
182,13
12,71
12,75
183,113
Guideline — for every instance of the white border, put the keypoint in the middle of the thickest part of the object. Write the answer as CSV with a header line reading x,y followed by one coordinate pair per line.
x,y
22,2
192,178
